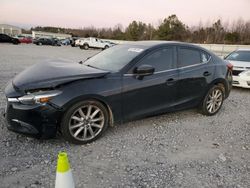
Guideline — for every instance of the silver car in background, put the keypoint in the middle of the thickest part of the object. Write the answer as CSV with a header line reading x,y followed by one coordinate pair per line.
x,y
240,59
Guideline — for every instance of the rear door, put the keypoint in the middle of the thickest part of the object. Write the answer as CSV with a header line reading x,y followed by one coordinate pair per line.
x,y
92,42
154,93
196,70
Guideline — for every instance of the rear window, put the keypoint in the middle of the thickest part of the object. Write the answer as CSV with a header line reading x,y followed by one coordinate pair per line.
x,y
189,56
205,57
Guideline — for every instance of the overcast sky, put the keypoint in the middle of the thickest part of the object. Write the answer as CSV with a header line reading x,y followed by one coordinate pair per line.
x,y
106,13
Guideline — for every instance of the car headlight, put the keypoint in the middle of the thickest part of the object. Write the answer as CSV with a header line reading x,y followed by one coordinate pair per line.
x,y
40,97
245,73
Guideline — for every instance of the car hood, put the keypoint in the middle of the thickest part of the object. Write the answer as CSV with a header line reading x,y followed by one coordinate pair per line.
x,y
52,74
242,64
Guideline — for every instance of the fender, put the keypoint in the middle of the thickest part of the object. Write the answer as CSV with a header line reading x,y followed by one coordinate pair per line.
x,y
98,98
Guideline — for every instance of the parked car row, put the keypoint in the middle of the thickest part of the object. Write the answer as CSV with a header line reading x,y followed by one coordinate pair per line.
x,y
83,43
38,41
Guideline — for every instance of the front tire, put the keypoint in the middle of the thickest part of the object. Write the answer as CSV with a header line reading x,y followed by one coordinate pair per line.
x,y
15,42
85,46
84,122
213,101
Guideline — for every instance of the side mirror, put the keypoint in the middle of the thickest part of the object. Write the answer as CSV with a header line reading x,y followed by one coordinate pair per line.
x,y
144,70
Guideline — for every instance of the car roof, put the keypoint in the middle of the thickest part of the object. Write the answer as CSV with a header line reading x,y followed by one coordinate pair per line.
x,y
243,49
152,43
155,43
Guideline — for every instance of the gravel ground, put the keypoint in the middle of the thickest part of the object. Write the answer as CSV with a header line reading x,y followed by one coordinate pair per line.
x,y
182,149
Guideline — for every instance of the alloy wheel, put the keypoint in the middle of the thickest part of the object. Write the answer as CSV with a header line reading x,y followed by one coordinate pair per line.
x,y
86,122
214,101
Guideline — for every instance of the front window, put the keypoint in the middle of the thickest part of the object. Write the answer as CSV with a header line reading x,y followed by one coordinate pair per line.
x,y
239,56
115,58
161,59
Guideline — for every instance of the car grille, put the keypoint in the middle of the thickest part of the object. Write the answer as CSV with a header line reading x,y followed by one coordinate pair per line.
x,y
235,82
237,72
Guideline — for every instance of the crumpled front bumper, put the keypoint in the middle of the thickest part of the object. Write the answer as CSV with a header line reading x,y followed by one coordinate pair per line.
x,y
40,121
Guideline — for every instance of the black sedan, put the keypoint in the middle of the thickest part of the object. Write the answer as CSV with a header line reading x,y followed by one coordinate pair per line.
x,y
47,41
120,84
7,39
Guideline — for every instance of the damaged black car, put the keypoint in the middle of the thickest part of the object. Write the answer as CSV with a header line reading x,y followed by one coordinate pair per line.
x,y
123,83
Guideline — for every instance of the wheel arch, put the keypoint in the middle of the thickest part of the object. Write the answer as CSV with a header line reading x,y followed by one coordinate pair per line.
x,y
220,81
82,45
97,98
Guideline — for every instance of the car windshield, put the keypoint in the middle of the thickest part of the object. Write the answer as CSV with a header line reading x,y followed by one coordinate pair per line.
x,y
115,58
239,56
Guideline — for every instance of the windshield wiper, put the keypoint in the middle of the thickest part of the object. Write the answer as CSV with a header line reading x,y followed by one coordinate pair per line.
x,y
81,62
92,66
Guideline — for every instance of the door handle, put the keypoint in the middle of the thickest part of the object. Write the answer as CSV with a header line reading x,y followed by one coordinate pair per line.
x,y
170,81
206,73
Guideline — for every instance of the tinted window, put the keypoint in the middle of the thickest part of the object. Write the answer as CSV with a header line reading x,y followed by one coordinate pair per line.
x,y
161,59
188,56
239,56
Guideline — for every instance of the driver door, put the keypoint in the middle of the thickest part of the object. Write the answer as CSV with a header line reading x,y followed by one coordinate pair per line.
x,y
154,93
95,43
98,43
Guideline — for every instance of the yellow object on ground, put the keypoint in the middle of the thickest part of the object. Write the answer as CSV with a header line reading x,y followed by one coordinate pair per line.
x,y
64,178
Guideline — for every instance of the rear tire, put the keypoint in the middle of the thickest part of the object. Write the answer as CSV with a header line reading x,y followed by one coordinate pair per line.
x,y
213,101
84,122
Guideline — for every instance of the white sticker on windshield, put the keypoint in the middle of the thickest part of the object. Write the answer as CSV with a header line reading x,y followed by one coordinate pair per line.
x,y
235,55
138,50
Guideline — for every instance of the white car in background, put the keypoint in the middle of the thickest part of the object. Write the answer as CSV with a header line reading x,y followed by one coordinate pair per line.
x,y
92,42
240,59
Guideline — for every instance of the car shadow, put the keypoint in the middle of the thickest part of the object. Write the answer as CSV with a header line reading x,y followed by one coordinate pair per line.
x,y
241,89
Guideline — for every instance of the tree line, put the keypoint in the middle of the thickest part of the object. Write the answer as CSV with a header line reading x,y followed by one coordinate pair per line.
x,y
171,28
